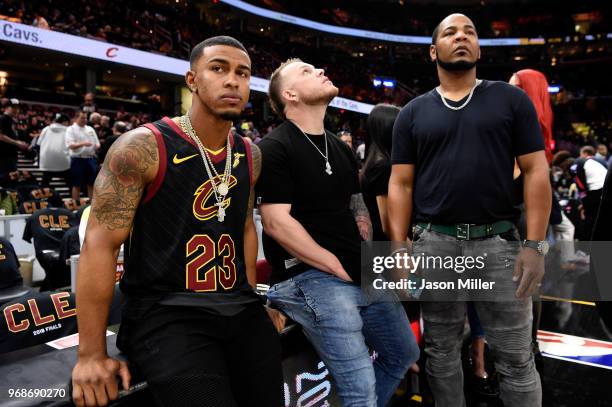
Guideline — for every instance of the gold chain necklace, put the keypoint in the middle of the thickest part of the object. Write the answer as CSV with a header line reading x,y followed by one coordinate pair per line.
x,y
221,189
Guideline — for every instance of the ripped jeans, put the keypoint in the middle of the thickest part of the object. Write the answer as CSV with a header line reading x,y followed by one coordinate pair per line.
x,y
507,328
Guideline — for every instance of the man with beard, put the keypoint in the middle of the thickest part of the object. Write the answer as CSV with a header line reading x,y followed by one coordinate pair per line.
x,y
178,194
453,159
314,219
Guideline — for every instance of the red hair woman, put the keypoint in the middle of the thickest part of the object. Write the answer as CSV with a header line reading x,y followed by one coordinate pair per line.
x,y
534,83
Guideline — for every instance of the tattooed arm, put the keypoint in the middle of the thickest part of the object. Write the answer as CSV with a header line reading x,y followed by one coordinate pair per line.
x,y
250,233
131,163
362,216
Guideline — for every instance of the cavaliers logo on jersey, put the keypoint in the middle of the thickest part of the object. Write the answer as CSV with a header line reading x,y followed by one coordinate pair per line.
x,y
204,204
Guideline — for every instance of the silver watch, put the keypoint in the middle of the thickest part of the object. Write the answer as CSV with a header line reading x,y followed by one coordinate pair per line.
x,y
540,246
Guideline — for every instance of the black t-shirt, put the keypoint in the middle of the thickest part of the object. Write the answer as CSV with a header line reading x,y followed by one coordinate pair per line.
x,y
47,227
8,127
37,318
375,182
464,159
106,145
9,266
32,205
293,172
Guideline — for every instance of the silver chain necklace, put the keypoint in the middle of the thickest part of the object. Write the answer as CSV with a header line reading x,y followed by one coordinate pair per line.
x,y
325,156
478,82
221,189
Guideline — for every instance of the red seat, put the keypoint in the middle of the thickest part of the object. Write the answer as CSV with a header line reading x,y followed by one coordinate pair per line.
x,y
263,271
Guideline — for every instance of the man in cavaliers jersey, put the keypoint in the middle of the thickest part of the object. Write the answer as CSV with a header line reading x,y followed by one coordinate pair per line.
x,y
179,193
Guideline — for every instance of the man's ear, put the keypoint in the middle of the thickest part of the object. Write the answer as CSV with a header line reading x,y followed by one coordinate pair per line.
x,y
432,53
290,95
190,81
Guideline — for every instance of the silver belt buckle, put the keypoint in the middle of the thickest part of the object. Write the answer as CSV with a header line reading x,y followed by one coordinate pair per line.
x,y
463,231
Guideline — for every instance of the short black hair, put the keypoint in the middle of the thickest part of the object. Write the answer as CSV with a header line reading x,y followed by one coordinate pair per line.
x,y
61,118
198,50
434,35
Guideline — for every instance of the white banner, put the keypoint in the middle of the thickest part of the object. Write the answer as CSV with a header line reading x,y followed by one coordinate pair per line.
x,y
354,32
71,44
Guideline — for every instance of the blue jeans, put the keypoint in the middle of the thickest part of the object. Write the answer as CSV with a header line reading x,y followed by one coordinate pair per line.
x,y
341,322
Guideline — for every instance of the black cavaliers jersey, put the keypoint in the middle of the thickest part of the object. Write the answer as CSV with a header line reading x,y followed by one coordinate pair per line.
x,y
178,252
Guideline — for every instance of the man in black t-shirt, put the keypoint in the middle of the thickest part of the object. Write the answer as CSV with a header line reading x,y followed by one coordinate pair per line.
x,y
9,141
118,129
312,213
453,158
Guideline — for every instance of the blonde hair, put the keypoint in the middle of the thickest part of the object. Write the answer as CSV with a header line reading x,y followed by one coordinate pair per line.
x,y
274,89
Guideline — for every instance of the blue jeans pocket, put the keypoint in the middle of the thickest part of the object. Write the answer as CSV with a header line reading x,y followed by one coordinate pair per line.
x,y
310,305
289,297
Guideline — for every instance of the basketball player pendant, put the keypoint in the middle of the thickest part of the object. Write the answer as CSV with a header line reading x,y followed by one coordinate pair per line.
x,y
222,189
221,213
328,168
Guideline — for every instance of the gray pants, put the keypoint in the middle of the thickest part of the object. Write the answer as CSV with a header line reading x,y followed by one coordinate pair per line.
x,y
507,326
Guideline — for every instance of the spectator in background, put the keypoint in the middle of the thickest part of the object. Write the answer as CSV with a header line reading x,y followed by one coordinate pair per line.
x,y
252,128
83,142
166,47
590,176
118,129
134,122
535,85
105,128
255,139
377,168
9,140
88,105
360,152
40,22
602,152
347,138
95,120
54,155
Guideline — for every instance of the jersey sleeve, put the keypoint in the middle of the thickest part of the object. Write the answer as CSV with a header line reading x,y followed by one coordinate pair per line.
x,y
275,184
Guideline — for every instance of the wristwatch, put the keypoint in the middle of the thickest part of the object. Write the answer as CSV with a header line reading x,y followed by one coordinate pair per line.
x,y
540,246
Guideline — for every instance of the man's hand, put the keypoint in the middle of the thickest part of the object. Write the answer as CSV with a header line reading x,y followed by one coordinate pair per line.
x,y
22,145
529,270
94,380
365,227
362,217
277,317
337,269
342,275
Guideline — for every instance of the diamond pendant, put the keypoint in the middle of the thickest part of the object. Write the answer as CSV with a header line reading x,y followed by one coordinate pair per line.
x,y
223,188
221,213
328,169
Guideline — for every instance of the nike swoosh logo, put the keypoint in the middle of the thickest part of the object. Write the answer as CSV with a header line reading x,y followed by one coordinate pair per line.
x,y
177,161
